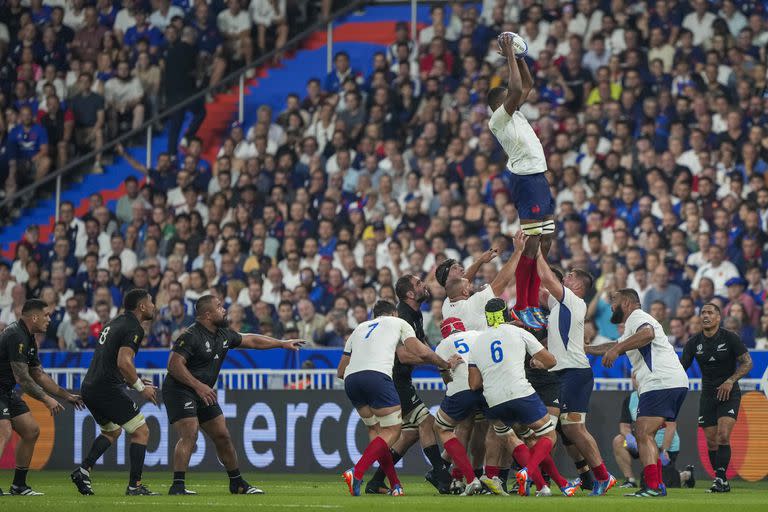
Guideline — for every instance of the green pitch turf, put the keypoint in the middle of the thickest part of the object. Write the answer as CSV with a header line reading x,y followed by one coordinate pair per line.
x,y
328,492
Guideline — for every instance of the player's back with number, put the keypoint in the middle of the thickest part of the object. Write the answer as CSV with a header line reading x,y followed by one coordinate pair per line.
x,y
373,343
124,330
499,355
457,343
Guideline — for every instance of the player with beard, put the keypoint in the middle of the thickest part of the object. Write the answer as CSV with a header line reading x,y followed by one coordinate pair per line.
x,y
189,395
418,423
662,382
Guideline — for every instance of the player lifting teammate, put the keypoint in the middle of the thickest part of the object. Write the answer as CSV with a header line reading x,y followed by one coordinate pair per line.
x,y
19,363
526,180
188,394
662,382
104,392
723,360
366,368
565,340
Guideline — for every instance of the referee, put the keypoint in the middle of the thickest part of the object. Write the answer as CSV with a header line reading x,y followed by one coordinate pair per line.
x,y
418,423
723,360
188,394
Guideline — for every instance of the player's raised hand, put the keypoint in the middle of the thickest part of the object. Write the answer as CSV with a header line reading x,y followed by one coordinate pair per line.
x,y
293,345
206,394
489,255
150,393
520,240
76,401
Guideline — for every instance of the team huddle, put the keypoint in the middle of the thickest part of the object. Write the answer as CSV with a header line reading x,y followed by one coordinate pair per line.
x,y
507,392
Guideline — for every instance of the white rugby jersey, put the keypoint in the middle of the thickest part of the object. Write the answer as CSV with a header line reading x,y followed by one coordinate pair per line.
x,y
515,134
565,336
372,344
656,364
470,311
499,354
457,343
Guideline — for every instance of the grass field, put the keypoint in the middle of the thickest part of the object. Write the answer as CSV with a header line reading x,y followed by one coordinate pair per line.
x,y
327,492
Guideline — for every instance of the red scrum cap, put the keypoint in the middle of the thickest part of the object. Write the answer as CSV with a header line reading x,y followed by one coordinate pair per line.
x,y
450,325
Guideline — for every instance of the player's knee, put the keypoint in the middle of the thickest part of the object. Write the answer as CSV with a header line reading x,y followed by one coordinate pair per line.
x,y
140,434
31,434
112,435
618,442
722,437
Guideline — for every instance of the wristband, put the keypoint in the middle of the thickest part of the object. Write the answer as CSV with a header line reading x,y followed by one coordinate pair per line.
x,y
138,385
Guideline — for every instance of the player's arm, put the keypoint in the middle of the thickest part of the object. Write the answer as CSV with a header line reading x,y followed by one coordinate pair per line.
x,y
484,258
543,360
177,368
444,374
475,378
744,361
598,350
507,272
686,358
261,342
548,278
343,363
525,79
515,86
641,338
127,369
44,380
427,356
32,388
405,356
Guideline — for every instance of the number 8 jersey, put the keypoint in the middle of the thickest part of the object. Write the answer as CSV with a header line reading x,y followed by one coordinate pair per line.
x,y
457,343
373,343
499,354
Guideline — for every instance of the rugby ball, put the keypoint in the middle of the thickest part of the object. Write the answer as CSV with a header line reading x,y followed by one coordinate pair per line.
x,y
518,44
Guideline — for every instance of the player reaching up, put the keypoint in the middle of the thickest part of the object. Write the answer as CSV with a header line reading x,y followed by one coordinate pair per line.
x,y
366,368
566,342
527,183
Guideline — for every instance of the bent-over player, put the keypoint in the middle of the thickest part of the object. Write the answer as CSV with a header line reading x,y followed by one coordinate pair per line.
x,y
366,367
19,363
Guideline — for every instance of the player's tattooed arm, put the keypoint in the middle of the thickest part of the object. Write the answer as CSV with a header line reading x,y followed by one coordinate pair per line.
x,y
27,383
52,388
745,366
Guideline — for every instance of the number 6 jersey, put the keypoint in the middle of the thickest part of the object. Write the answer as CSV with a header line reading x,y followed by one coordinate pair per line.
x,y
457,343
373,343
499,354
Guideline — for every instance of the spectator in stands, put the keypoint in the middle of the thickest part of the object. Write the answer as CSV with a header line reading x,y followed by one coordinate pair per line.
x,y
311,324
235,26
89,110
270,18
661,289
737,295
180,82
66,333
12,311
59,125
87,41
717,270
124,99
83,338
27,152
336,331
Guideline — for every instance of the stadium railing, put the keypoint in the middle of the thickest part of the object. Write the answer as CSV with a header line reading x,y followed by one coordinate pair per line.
x,y
321,379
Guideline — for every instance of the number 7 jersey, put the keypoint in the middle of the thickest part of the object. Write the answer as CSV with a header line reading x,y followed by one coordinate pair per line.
x,y
458,343
373,343
499,354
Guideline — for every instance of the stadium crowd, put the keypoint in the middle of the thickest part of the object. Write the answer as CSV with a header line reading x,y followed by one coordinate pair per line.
x,y
652,116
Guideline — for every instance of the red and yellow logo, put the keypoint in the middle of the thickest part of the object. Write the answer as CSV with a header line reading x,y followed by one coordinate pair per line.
x,y
749,440
44,445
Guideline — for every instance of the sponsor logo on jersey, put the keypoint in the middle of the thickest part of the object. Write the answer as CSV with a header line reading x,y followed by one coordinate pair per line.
x,y
712,358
